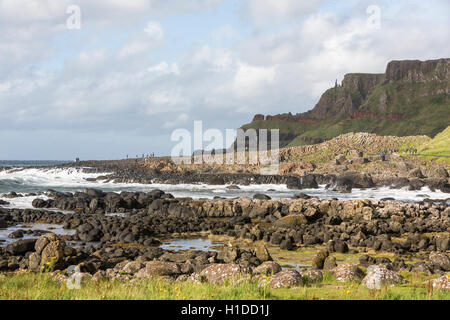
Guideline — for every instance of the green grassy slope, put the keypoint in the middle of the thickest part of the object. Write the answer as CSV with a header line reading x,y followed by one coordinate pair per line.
x,y
439,146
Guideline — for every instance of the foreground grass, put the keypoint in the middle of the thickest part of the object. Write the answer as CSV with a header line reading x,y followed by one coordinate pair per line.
x,y
42,287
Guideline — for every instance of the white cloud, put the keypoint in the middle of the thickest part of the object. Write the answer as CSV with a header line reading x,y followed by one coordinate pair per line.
x,y
154,30
146,82
178,121
267,12
251,80
143,42
164,68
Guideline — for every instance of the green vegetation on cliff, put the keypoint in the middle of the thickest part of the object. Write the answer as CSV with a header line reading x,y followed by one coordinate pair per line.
x,y
411,98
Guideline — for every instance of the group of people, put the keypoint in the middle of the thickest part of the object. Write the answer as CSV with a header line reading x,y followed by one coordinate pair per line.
x,y
411,150
385,152
145,156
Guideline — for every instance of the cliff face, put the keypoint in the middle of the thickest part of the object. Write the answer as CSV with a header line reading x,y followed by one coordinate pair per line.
x,y
411,97
348,96
418,71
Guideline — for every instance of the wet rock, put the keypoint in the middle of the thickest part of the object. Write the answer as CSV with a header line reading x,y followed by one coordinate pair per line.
x,y
21,247
16,234
379,276
260,196
286,278
301,196
3,203
308,182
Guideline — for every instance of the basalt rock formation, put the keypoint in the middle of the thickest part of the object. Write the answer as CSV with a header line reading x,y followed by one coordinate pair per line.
x,y
410,98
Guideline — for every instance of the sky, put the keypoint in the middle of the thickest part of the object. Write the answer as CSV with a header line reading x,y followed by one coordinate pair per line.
x,y
112,78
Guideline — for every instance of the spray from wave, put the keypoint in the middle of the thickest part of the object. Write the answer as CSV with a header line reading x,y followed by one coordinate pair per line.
x,y
26,180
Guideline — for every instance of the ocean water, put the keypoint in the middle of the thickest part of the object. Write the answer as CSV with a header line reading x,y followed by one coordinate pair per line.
x,y
31,163
23,177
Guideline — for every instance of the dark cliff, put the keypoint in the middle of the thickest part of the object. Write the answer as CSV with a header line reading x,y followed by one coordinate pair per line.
x,y
411,97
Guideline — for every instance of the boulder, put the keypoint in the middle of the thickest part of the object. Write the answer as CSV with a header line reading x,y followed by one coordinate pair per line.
x,y
311,275
415,173
441,260
132,267
230,255
260,196
16,234
329,263
442,283
347,272
267,268
291,221
287,244
53,253
262,253
341,246
309,182
158,268
319,259
217,273
286,278
21,247
439,173
379,276
3,224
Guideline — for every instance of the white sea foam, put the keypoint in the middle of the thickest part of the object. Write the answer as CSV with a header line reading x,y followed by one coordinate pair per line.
x,y
71,179
21,202
47,177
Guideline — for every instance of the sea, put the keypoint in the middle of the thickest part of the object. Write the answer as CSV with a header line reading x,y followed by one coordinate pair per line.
x,y
25,177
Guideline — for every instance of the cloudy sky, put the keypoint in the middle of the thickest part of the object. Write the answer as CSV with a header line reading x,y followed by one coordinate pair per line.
x,y
136,70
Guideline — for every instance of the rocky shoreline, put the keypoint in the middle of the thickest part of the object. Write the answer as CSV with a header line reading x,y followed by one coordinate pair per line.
x,y
133,171
416,234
